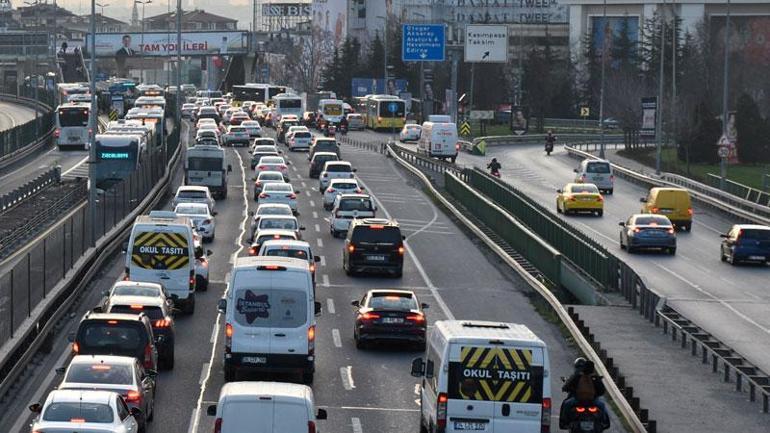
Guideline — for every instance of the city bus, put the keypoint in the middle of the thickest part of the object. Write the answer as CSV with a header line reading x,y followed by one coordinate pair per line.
x,y
151,102
287,103
257,92
117,157
331,110
65,90
150,90
150,117
205,165
385,112
72,125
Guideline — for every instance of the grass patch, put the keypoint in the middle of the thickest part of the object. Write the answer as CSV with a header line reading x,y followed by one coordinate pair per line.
x,y
746,174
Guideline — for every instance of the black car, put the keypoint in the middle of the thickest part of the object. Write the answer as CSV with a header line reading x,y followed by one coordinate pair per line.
x,y
318,161
374,245
161,318
394,315
116,334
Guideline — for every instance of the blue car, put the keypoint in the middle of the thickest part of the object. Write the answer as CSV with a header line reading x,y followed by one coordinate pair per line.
x,y
648,231
746,243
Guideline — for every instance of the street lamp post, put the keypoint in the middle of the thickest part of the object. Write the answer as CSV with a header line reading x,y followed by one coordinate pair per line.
x,y
141,39
725,96
601,91
659,108
92,129
101,14
384,51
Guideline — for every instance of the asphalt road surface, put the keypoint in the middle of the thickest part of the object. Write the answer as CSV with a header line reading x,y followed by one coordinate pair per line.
x,y
363,390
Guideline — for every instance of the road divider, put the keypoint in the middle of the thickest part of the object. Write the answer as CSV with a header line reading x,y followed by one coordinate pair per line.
x,y
30,136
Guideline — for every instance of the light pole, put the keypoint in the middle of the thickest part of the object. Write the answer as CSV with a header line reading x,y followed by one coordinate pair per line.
x,y
178,114
422,77
385,52
101,14
725,96
659,107
92,129
601,90
141,43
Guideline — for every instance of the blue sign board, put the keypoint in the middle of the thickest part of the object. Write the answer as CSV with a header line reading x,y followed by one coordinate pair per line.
x,y
423,43
392,107
372,86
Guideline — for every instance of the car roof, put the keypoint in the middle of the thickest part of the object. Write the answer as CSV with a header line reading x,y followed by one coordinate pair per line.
x,y
114,316
136,284
76,396
484,330
354,196
149,301
278,389
273,205
192,188
752,227
395,291
271,232
343,181
288,262
103,359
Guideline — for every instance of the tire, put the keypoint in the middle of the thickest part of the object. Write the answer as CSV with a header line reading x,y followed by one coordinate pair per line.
x,y
630,249
722,255
687,227
398,274
189,306
201,284
672,251
168,360
622,247
307,377
558,209
360,345
143,425
423,428
229,373
600,213
610,191
151,418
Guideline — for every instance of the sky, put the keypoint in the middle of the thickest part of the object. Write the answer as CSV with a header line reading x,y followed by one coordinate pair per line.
x,y
121,9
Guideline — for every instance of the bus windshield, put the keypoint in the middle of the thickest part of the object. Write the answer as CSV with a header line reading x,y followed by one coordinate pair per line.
x,y
387,108
73,116
332,110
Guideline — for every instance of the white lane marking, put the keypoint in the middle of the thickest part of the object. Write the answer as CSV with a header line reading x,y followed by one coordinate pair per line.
x,y
299,176
304,185
356,423
315,215
330,306
420,269
67,171
336,338
322,261
192,421
204,370
751,295
347,377
294,168
312,203
325,280
319,242
417,388
217,325
384,409
37,396
214,331
715,298
318,228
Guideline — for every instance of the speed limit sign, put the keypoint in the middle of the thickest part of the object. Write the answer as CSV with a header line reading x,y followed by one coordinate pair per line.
x,y
723,151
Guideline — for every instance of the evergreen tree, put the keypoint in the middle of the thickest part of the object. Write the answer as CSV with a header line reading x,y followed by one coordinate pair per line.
x,y
752,131
374,67
701,141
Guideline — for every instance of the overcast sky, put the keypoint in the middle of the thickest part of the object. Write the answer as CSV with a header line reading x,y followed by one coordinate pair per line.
x,y
121,9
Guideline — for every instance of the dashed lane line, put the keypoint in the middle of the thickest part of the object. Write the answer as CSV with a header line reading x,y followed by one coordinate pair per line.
x,y
346,373
336,338
330,306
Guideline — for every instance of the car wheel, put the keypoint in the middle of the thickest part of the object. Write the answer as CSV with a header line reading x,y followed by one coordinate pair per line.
x,y
630,249
229,373
360,345
168,360
722,255
731,259
558,209
600,213
423,428
687,227
143,425
672,251
201,284
610,191
189,306
307,377
622,247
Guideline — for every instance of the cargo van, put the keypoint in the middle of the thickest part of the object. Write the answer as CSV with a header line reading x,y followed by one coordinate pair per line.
x,y
205,165
438,140
440,118
265,407
161,250
675,203
597,172
270,310
505,390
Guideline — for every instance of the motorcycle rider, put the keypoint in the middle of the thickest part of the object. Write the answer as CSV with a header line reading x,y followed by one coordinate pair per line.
x,y
344,125
550,140
494,167
584,385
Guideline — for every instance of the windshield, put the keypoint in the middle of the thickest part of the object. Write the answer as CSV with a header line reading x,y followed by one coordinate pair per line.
x,y
652,220
278,187
100,374
392,301
78,412
191,210
260,308
204,164
376,235
287,252
153,312
191,194
282,223
273,210
136,291
73,117
359,204
121,337
755,234
290,103
271,161
338,168
598,168
589,189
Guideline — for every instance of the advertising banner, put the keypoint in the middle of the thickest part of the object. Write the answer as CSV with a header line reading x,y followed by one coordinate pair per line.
x,y
508,11
286,10
123,46
377,86
649,114
519,120
330,16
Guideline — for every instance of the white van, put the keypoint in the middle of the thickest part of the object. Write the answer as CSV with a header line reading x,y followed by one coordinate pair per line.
x,y
206,165
439,140
270,310
484,377
265,407
597,172
161,250
440,118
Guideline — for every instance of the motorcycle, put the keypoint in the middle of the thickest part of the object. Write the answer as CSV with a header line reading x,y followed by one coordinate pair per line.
x,y
549,147
495,173
587,418
343,130
331,131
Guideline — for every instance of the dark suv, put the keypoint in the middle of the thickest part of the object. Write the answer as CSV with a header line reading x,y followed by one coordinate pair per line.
x,y
318,161
374,245
116,334
161,318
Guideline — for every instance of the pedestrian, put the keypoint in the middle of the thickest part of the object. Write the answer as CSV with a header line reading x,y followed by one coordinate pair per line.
x,y
63,49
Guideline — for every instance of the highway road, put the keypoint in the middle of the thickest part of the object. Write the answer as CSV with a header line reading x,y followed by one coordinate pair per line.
x,y
363,391
12,115
729,302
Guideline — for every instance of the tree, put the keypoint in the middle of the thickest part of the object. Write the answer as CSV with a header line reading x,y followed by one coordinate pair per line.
x,y
374,65
304,60
752,131
332,76
700,143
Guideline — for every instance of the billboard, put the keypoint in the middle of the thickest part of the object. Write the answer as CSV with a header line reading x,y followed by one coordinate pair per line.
x,y
127,45
508,11
616,27
330,16
286,10
649,116
377,86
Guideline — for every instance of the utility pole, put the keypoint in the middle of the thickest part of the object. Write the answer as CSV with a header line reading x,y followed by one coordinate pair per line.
x,y
725,96
674,59
453,79
385,53
92,125
178,113
659,107
601,91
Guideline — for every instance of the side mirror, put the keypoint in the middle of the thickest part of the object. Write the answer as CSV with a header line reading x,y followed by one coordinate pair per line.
x,y
622,224
355,303
296,191
105,293
97,310
215,213
61,370
418,367
211,410
222,305
316,259
251,151
321,414
251,213
317,308
424,306
302,228
403,238
136,412
724,236
36,408
355,170
71,337
643,200
124,246
574,170
229,168
558,191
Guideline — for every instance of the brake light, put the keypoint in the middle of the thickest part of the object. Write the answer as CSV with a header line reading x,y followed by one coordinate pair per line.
x,y
580,409
282,167
148,356
545,417
311,427
133,397
292,196
351,248
441,402
654,210
401,250
75,347
582,178
137,307
311,340
163,323
637,229
253,251
228,330
101,367
77,420
457,146
330,190
417,318
689,211
57,133
337,214
593,409
263,195
262,167
312,267
600,199
571,198
376,227
370,316
218,425
612,178
112,322
359,190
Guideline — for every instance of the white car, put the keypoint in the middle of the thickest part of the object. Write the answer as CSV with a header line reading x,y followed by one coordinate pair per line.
x,y
82,410
264,178
279,193
348,207
205,121
294,249
337,187
253,128
202,218
187,110
137,288
280,222
263,236
237,135
334,170
410,132
273,163
299,140
193,194
268,209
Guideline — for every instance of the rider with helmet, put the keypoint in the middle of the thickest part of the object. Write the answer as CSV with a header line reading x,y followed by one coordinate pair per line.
x,y
584,385
494,167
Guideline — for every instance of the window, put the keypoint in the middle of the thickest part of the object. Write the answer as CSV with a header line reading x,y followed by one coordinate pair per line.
x,y
369,235
123,411
755,234
100,373
598,168
359,204
85,411
392,301
288,252
204,164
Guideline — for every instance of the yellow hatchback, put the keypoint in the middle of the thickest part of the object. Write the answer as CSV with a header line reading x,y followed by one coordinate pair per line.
x,y
580,197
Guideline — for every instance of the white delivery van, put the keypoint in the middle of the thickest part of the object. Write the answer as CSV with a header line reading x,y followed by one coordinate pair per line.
x,y
270,310
265,407
205,165
440,118
484,377
438,140
161,250
598,172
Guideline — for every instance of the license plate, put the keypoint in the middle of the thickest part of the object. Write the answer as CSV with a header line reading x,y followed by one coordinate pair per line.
x,y
587,199
756,257
376,258
598,178
470,425
73,138
254,360
392,320
665,211
587,426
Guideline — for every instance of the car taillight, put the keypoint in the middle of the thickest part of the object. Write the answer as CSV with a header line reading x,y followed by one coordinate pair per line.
x,y
133,397
76,347
192,280
351,248
262,167
218,425
370,316
337,214
330,190
311,340
206,221
253,251
310,427
312,267
257,183
359,190
689,211
282,167
441,402
457,146
162,323
600,199
228,337
263,195
417,318
637,229
570,198
148,356
292,196
401,250
57,133
545,418
612,178
654,210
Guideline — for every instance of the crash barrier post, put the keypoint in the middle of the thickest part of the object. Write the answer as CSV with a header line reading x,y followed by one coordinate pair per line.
x,y
41,181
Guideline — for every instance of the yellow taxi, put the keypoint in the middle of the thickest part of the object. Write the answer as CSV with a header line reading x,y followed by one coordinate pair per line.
x,y
579,197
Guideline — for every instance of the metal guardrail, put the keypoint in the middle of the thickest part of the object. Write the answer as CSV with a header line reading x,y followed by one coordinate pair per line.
x,y
740,190
43,180
20,141
706,195
626,411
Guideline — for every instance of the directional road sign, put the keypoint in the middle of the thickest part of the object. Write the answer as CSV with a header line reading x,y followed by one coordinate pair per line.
x,y
423,43
486,43
584,111
465,129
482,114
392,107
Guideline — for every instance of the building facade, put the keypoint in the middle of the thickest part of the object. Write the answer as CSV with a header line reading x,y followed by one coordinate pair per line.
x,y
192,20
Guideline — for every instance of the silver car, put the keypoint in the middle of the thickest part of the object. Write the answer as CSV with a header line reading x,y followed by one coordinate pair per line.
x,y
201,216
273,163
85,410
282,193
267,209
337,187
193,194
